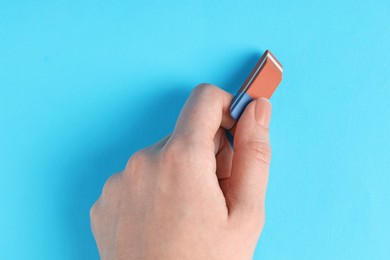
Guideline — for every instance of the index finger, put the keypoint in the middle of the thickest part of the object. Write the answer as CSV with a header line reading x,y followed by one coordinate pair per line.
x,y
205,111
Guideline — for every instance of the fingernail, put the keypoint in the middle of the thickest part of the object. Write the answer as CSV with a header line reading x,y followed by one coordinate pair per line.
x,y
263,111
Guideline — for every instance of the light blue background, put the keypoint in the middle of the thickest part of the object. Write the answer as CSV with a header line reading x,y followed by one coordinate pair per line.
x,y
84,84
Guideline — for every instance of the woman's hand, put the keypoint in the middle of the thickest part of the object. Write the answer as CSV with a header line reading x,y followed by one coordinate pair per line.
x,y
191,196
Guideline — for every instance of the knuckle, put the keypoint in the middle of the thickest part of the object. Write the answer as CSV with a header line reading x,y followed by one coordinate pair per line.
x,y
137,161
175,147
135,168
206,89
182,149
261,151
107,187
178,158
174,151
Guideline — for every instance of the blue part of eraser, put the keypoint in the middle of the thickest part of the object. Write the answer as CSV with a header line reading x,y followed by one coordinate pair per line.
x,y
239,103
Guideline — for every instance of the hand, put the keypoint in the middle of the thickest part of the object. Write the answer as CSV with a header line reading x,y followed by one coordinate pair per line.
x,y
190,196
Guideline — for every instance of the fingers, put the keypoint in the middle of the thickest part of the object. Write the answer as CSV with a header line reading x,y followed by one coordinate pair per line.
x,y
205,111
251,159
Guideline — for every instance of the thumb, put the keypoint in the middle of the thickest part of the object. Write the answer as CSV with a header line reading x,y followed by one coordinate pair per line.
x,y
251,159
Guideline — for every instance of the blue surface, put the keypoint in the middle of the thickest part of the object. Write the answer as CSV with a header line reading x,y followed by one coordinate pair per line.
x,y
84,84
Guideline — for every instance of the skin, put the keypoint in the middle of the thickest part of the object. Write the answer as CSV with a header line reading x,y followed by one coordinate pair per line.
x,y
191,196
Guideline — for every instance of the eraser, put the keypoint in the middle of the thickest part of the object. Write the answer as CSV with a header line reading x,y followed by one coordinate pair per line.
x,y
262,82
